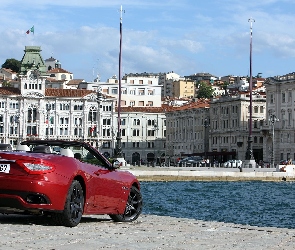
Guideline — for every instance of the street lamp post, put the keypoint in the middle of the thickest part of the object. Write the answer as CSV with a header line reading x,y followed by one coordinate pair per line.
x,y
206,137
48,109
249,152
99,100
273,119
249,158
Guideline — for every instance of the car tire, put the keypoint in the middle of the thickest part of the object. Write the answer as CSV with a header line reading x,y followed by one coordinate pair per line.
x,y
133,207
73,210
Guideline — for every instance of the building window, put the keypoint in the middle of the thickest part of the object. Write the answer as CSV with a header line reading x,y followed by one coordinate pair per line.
x,y
106,121
31,130
114,91
151,132
106,144
271,98
153,123
150,92
283,97
135,132
78,107
64,106
255,109
123,121
92,114
32,115
289,96
13,105
136,122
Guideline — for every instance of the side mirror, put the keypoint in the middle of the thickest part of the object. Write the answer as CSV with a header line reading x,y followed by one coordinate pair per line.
x,y
116,164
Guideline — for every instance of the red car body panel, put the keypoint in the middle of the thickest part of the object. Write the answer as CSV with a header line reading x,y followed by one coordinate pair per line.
x,y
106,189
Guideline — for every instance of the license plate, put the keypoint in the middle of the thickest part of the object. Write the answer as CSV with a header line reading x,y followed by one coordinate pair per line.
x,y
4,168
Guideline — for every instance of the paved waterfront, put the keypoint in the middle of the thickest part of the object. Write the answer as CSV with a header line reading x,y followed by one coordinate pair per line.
x,y
148,232
144,173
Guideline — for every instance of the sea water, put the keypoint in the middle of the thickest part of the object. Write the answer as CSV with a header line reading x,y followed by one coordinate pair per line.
x,y
255,203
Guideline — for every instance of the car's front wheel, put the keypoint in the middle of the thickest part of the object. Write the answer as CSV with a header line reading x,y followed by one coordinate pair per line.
x,y
133,207
73,210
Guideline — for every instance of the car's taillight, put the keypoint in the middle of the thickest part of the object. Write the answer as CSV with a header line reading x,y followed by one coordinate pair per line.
x,y
36,167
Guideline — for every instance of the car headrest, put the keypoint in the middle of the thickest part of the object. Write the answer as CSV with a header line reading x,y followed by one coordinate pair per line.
x,y
66,152
5,147
42,149
22,148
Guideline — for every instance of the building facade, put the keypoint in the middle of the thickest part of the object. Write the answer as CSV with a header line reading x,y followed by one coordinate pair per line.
x,y
30,110
186,130
279,132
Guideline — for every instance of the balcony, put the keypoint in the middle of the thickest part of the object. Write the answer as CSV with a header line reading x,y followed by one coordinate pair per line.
x,y
265,130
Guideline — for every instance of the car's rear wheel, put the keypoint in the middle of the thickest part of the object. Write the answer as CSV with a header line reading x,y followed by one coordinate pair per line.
x,y
133,207
73,210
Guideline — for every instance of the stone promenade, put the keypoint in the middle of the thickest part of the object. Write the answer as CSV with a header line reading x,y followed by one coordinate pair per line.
x,y
148,232
144,173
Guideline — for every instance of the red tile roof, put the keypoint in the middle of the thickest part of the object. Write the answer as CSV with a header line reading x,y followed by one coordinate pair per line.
x,y
9,91
58,70
200,103
148,109
75,82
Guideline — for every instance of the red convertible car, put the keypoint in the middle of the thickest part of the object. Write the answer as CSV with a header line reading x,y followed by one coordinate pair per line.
x,y
64,180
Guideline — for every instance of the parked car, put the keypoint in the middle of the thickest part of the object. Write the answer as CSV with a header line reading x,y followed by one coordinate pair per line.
x,y
233,164
191,161
66,183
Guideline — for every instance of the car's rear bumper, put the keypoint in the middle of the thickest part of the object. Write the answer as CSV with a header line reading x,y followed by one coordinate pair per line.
x,y
21,194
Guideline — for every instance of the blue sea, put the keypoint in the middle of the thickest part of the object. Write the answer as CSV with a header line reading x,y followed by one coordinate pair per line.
x,y
255,203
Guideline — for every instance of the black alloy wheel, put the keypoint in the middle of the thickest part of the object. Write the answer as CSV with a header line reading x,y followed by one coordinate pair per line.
x,y
133,207
73,210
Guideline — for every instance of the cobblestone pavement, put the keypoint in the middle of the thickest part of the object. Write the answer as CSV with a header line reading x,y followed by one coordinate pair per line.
x,y
148,232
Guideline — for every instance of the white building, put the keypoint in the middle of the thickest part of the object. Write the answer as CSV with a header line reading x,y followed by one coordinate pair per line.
x,y
136,91
30,110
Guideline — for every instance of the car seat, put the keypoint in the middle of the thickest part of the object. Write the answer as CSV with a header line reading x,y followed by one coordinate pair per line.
x,y
66,152
22,148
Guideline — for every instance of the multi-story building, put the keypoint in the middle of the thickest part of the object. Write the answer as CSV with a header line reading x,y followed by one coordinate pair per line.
x,y
184,89
136,91
229,126
280,118
186,129
166,80
30,109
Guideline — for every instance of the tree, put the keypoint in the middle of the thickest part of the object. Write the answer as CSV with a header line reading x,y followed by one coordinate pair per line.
x,y
12,64
205,90
6,84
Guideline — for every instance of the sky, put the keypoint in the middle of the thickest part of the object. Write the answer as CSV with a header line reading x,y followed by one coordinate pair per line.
x,y
183,36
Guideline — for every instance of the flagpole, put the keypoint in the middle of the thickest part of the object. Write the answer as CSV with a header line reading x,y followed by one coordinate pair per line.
x,y
118,150
250,162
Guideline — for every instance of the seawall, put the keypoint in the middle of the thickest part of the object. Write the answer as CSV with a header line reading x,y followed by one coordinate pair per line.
x,y
144,173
